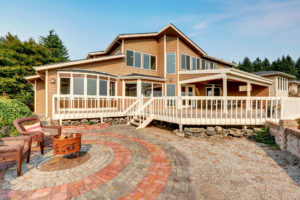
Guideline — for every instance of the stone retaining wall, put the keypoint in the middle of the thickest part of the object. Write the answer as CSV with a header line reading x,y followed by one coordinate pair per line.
x,y
287,135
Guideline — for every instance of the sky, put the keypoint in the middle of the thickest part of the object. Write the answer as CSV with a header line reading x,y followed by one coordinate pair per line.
x,y
229,29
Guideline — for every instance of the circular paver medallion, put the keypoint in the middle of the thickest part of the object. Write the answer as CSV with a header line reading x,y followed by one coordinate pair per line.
x,y
111,166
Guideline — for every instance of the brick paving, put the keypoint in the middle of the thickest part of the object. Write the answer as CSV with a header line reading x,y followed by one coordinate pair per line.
x,y
123,165
152,163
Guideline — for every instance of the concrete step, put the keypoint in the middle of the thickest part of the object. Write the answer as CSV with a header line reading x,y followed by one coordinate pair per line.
x,y
134,123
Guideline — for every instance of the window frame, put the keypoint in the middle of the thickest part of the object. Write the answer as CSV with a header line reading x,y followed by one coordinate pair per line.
x,y
150,55
174,62
130,82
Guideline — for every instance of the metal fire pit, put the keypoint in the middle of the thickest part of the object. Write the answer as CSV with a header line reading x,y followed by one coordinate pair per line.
x,y
66,146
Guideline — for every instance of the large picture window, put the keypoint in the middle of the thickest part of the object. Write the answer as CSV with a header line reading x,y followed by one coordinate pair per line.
x,y
91,86
171,90
78,86
130,89
157,90
146,89
146,61
65,85
129,58
103,87
171,60
137,59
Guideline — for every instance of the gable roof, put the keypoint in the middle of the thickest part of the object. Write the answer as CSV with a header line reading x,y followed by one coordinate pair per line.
x,y
273,73
150,34
75,62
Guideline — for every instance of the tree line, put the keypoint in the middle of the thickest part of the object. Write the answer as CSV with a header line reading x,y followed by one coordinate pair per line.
x,y
17,59
284,64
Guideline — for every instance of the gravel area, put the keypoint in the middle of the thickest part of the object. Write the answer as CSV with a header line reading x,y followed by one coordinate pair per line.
x,y
236,168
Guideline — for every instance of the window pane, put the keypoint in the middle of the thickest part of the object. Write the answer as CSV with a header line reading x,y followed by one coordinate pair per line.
x,y
64,85
130,89
137,59
217,91
188,62
153,62
215,66
183,61
78,86
194,63
203,64
146,89
198,63
209,91
171,63
112,88
103,87
171,90
157,90
129,58
146,60
91,86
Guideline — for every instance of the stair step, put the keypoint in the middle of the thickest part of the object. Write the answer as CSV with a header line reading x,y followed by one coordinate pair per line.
x,y
134,123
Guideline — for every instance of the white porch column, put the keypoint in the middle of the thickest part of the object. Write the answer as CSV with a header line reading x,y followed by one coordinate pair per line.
x,y
248,95
225,93
35,96
139,88
46,93
108,87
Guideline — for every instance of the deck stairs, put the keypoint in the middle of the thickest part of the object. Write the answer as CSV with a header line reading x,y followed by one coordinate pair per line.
x,y
140,122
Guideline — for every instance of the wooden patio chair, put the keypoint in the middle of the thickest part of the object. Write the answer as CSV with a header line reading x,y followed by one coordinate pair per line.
x,y
15,149
38,131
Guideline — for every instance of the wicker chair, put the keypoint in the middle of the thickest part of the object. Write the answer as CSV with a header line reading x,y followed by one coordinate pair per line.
x,y
36,135
15,149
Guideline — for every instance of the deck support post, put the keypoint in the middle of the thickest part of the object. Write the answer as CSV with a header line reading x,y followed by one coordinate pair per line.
x,y
225,93
180,128
248,95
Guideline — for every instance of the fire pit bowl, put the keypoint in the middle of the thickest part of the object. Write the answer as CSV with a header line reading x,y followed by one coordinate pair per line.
x,y
67,145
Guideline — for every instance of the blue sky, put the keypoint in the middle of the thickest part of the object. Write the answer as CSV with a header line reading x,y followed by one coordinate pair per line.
x,y
228,29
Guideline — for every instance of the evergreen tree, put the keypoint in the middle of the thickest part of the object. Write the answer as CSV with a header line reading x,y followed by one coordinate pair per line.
x,y
256,65
17,59
57,52
297,68
245,65
266,66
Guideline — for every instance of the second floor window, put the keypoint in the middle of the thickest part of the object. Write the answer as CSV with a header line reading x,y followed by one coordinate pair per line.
x,y
185,62
208,65
171,66
133,59
149,62
196,63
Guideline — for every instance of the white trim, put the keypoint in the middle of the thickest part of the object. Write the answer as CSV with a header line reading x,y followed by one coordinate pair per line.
x,y
122,46
178,65
46,93
32,77
203,78
165,56
205,71
143,78
246,80
76,62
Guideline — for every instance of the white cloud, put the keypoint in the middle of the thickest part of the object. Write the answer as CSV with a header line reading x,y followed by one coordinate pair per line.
x,y
200,26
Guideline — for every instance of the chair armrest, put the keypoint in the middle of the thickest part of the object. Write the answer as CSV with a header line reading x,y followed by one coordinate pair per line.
x,y
11,148
38,135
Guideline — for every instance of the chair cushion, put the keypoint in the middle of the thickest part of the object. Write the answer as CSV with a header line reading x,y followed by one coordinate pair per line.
x,y
33,127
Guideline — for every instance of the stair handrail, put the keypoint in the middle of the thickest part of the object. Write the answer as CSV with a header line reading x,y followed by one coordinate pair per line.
x,y
128,110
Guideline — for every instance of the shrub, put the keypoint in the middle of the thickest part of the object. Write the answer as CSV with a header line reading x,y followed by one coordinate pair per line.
x,y
265,137
11,109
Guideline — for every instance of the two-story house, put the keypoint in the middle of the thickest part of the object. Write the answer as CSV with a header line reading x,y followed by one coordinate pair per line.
x,y
163,63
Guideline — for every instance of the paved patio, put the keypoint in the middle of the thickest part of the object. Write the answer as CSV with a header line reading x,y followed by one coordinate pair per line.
x,y
124,163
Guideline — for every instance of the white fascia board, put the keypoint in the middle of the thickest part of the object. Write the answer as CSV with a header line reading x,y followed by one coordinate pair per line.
x,y
203,78
143,78
77,62
205,71
250,77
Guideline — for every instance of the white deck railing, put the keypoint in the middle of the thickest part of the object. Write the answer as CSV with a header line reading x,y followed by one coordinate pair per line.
x,y
196,110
